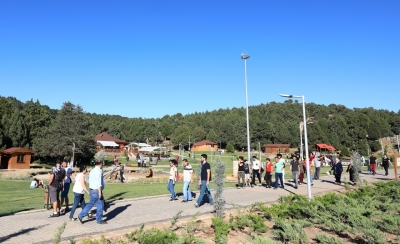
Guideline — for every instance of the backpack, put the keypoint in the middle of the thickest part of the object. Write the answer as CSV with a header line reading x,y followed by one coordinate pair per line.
x,y
59,175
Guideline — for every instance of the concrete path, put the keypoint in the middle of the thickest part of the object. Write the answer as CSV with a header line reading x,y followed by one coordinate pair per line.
x,y
36,227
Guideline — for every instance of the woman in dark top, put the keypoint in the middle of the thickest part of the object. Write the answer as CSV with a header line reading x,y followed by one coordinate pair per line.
x,y
150,174
350,170
385,163
240,173
338,169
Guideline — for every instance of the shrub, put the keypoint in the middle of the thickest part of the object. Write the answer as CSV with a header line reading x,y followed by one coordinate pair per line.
x,y
327,239
230,148
219,180
221,230
290,231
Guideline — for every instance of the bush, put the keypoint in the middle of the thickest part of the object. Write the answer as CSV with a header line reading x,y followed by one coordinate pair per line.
x,y
230,148
221,230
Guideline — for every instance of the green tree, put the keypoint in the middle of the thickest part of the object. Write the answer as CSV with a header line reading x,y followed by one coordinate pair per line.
x,y
180,135
230,148
71,125
199,133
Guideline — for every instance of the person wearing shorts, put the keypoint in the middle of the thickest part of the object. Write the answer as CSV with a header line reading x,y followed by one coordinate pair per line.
x,y
56,183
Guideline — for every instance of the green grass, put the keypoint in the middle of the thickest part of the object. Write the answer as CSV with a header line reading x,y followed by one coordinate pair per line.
x,y
17,196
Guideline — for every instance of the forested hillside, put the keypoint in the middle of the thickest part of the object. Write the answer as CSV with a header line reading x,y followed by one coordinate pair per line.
x,y
51,132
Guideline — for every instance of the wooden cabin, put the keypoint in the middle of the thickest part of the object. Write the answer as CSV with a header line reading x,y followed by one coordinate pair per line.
x,y
205,145
16,158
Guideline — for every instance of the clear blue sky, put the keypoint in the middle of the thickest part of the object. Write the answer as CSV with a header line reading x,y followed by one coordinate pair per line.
x,y
153,58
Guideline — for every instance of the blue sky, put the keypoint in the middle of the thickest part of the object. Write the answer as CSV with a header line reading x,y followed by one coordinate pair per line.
x,y
153,58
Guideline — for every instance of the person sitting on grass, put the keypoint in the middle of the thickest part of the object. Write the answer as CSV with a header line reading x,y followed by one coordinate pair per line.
x,y
36,184
150,174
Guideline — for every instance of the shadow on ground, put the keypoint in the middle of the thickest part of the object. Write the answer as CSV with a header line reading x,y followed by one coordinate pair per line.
x,y
115,212
22,232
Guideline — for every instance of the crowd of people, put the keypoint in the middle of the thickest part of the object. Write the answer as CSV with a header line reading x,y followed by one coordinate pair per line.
x,y
59,184
249,174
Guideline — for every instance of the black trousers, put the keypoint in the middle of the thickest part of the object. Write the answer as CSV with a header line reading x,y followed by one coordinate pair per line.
x,y
338,176
386,167
256,172
268,178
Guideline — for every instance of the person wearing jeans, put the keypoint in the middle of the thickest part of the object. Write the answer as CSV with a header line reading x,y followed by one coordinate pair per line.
x,y
173,176
204,181
79,191
96,185
278,173
295,168
187,179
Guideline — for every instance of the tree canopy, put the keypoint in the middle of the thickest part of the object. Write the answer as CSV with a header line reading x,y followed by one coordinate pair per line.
x,y
51,132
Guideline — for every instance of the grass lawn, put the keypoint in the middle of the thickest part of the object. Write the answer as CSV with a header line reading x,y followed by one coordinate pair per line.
x,y
17,196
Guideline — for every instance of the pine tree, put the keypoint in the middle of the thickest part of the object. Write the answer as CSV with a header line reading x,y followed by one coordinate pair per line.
x,y
219,181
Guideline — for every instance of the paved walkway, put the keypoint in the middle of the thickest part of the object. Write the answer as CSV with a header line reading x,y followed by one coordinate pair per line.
x,y
35,227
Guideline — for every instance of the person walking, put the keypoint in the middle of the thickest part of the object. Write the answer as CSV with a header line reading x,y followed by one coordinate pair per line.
x,y
67,184
204,181
79,191
385,163
278,172
268,172
173,177
338,169
317,163
256,171
240,173
350,170
121,172
96,186
372,164
302,168
279,155
56,185
295,168
246,172
187,180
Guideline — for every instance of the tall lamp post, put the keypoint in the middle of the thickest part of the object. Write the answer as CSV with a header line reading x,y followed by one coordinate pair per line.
x,y
305,142
245,56
301,137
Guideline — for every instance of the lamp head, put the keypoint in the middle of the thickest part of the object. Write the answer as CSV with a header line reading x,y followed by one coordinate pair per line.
x,y
244,56
286,95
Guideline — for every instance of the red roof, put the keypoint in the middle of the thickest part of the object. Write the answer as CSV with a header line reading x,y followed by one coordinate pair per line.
x,y
330,148
104,136
18,150
325,146
322,146
204,142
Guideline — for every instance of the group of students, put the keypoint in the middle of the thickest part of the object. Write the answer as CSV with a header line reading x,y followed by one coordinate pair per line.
x,y
256,170
204,181
60,180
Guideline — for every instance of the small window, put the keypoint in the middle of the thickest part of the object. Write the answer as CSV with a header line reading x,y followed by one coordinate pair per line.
x,y
20,158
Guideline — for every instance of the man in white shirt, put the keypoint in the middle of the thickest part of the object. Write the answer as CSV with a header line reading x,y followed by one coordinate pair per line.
x,y
256,171
317,163
187,179
96,185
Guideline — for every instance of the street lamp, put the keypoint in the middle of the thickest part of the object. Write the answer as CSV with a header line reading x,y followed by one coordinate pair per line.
x,y
301,137
367,146
305,142
245,56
